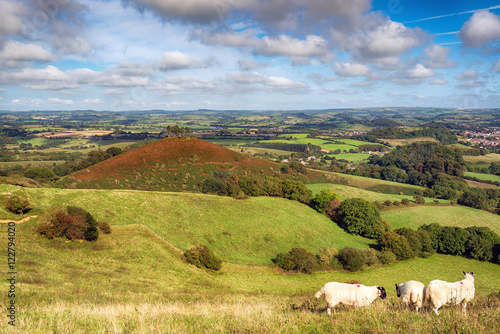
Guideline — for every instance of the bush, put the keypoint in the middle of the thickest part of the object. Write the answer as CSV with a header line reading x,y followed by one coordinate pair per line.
x,y
358,216
370,257
326,255
105,227
18,205
202,257
351,258
397,244
386,257
72,222
322,200
405,201
300,260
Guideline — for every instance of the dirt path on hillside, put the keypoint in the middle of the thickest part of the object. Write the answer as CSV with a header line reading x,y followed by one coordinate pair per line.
x,y
25,219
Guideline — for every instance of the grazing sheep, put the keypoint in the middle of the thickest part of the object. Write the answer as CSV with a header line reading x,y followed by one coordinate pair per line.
x,y
357,295
439,293
412,293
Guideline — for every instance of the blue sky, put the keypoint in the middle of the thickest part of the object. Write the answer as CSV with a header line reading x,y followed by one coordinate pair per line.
x,y
248,54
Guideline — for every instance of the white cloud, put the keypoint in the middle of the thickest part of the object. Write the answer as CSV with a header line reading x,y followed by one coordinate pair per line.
x,y
14,50
437,56
177,60
300,51
481,28
49,78
438,82
283,45
351,70
60,101
420,72
384,43
467,76
253,78
11,17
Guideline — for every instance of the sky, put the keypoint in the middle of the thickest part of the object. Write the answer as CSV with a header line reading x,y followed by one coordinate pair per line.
x,y
248,54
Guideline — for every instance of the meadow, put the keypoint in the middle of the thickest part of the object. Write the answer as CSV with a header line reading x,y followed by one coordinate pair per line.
x,y
482,176
135,280
132,281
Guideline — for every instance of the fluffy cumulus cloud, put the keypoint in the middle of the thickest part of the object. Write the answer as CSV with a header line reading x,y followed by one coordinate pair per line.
x,y
351,70
481,28
17,51
420,72
281,14
384,42
11,17
48,78
437,56
255,78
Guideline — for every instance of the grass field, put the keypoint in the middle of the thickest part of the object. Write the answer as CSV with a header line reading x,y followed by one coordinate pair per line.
x,y
345,192
481,176
488,158
132,281
376,185
403,142
459,216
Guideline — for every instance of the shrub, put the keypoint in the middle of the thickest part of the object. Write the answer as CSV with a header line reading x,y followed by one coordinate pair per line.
x,y
351,258
386,257
370,257
105,227
326,255
215,186
405,201
322,200
358,216
285,169
397,244
299,259
332,210
202,257
419,199
18,205
72,222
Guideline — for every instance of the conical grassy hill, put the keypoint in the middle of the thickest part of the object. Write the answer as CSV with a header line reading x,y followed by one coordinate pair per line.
x,y
171,164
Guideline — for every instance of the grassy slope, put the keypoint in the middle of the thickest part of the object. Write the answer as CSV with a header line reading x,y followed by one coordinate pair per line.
x,y
345,192
244,231
133,282
482,176
488,158
460,216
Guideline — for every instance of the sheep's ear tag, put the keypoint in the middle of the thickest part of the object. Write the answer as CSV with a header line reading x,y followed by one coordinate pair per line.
x,y
462,283
358,285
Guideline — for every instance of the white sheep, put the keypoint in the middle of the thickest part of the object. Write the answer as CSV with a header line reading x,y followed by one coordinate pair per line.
x,y
439,293
357,295
412,294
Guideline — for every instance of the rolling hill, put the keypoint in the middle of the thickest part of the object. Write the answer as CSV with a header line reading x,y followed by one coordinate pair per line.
x,y
171,164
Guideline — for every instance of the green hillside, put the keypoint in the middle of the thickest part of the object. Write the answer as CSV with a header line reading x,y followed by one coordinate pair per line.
x,y
132,281
460,216
253,230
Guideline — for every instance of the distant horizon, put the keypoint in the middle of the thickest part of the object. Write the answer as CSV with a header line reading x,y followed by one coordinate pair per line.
x,y
265,55
242,110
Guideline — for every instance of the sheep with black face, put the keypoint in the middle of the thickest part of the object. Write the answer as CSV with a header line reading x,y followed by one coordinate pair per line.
x,y
357,295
